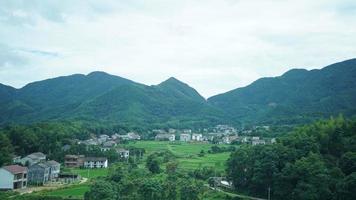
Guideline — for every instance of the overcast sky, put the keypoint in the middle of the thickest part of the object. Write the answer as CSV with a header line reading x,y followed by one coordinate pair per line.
x,y
213,45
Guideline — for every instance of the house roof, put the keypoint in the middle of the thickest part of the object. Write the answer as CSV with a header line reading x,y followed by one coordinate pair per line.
x,y
42,165
52,163
95,159
122,150
73,156
15,169
36,155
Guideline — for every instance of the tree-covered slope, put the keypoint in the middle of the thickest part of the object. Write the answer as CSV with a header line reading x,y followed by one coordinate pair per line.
x,y
102,97
296,96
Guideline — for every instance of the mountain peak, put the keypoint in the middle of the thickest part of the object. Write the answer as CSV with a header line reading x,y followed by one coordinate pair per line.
x,y
179,88
172,80
98,73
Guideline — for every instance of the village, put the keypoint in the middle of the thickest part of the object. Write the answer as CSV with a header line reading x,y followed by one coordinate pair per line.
x,y
36,170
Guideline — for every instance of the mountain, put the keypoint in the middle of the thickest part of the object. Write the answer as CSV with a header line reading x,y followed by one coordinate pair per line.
x,y
105,98
297,96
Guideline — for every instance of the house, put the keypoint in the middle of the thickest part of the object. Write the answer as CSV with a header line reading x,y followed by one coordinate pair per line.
x,y
257,141
130,136
103,138
55,169
197,137
185,137
39,173
33,158
230,138
123,153
108,145
95,162
89,142
73,160
13,177
165,137
133,136
172,131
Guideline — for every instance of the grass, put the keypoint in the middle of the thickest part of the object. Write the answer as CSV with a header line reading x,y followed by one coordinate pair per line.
x,y
187,153
90,173
76,191
209,160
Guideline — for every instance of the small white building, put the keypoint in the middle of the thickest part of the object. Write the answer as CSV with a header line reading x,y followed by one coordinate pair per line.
x,y
95,162
123,153
13,177
185,137
197,137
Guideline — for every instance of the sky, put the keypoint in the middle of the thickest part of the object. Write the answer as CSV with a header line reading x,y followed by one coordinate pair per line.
x,y
212,45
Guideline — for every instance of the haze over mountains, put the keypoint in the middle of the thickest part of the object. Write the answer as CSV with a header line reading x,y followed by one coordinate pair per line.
x,y
295,97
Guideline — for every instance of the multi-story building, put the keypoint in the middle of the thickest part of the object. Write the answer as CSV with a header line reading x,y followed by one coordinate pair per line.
x,y
39,173
95,162
13,177
74,160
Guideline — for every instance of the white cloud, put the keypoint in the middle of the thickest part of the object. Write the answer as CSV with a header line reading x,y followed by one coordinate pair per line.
x,y
213,45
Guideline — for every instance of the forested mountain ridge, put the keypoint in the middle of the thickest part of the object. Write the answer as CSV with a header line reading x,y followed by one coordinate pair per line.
x,y
99,96
298,95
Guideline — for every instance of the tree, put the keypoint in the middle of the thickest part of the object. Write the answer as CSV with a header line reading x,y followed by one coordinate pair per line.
x,y
152,164
102,190
5,150
190,190
171,167
348,162
347,188
151,189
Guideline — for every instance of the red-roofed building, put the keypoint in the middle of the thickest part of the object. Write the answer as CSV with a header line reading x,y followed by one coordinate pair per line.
x,y
13,177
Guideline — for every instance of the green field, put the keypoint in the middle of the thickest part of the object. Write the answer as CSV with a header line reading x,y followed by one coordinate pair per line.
x,y
186,153
90,173
75,191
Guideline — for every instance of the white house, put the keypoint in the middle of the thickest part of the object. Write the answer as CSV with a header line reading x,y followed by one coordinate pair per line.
x,y
95,162
13,177
197,137
185,137
123,153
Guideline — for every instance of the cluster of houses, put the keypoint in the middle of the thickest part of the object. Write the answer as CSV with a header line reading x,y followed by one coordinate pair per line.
x,y
33,168
220,134
106,142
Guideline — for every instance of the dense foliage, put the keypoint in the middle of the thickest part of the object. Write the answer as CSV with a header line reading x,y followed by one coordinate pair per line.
x,y
314,162
298,96
128,182
108,99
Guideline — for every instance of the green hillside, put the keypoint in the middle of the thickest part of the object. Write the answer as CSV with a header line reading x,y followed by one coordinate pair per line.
x,y
297,96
